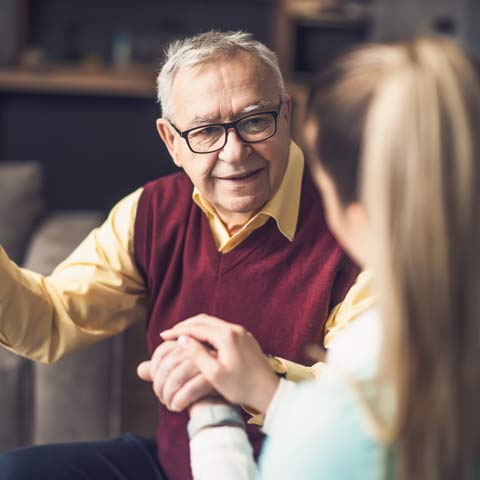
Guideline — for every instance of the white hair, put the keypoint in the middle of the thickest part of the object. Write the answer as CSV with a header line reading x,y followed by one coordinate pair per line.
x,y
206,47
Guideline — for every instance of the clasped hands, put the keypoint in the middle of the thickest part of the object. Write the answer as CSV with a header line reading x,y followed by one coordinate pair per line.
x,y
205,357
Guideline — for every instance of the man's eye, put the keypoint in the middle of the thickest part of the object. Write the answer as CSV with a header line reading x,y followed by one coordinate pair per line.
x,y
207,132
256,124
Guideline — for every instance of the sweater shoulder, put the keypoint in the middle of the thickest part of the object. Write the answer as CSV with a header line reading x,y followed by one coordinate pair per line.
x,y
162,211
166,194
179,183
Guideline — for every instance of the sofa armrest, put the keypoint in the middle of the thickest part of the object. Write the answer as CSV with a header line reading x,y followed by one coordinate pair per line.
x,y
22,205
16,401
93,393
77,398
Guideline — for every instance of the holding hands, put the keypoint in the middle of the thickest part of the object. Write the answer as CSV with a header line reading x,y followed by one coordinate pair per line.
x,y
210,353
230,359
177,382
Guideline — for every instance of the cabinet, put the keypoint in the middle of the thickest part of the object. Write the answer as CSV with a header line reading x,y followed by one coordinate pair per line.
x,y
311,33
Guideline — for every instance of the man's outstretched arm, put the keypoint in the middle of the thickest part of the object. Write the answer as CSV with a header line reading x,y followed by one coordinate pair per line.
x,y
95,293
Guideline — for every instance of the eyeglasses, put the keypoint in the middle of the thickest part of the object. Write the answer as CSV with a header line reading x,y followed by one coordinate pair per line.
x,y
252,128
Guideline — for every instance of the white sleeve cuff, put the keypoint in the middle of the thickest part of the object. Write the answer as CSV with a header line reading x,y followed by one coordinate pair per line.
x,y
273,414
220,453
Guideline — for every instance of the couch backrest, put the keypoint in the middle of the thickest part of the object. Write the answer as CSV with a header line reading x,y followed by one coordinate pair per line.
x,y
22,205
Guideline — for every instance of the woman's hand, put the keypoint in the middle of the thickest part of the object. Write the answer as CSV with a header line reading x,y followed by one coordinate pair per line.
x,y
230,359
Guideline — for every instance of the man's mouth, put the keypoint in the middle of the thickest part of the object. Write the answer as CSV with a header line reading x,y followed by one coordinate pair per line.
x,y
242,176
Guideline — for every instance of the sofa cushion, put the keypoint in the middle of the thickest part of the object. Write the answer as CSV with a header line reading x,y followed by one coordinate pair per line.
x,y
16,402
21,204
77,398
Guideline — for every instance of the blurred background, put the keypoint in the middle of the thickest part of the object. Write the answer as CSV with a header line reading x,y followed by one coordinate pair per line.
x,y
77,132
77,81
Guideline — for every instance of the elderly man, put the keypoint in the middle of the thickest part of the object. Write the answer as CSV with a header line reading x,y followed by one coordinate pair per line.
x,y
239,234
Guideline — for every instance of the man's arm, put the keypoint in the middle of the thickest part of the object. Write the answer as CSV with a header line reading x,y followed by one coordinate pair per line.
x,y
358,300
95,293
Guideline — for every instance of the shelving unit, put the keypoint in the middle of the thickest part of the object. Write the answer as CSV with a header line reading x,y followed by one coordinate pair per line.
x,y
66,35
77,80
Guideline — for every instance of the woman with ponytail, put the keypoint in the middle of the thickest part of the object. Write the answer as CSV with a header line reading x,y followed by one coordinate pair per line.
x,y
394,149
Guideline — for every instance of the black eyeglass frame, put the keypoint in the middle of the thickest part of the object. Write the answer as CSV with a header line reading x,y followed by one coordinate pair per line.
x,y
228,125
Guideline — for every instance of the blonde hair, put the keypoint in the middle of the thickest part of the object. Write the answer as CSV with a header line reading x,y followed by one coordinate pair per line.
x,y
421,187
396,130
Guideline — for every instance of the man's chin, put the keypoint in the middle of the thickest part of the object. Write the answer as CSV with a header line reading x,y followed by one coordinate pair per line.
x,y
240,209
244,205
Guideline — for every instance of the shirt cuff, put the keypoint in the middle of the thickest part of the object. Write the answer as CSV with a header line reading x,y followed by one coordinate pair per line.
x,y
295,371
222,453
213,416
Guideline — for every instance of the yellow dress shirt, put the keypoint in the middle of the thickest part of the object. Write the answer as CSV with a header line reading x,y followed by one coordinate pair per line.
x,y
98,292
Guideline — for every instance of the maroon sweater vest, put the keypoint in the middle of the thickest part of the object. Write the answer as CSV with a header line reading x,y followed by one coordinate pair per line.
x,y
281,291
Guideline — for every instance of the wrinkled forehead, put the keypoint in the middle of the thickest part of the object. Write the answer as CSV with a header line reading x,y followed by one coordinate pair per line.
x,y
222,88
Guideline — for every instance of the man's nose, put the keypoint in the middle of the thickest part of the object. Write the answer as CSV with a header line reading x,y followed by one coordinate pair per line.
x,y
235,148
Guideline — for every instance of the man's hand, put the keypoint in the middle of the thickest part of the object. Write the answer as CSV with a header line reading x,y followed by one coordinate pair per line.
x,y
176,380
235,365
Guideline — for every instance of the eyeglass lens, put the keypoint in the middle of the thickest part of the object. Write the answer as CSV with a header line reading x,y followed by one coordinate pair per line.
x,y
254,128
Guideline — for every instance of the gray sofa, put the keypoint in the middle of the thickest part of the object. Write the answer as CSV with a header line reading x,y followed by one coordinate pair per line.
x,y
90,394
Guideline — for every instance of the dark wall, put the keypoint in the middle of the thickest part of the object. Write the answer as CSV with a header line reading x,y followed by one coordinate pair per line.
x,y
94,149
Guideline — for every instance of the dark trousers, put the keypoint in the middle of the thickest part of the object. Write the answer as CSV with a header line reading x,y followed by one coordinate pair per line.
x,y
125,458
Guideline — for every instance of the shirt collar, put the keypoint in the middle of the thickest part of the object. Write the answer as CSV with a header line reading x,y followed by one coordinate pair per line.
x,y
283,207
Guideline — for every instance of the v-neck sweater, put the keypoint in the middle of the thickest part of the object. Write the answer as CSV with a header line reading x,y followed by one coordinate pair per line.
x,y
280,291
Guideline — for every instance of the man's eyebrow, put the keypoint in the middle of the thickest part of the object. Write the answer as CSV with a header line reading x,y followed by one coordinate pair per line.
x,y
202,120
207,119
259,105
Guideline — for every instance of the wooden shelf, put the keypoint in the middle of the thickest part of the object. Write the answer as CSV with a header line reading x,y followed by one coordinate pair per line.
x,y
77,80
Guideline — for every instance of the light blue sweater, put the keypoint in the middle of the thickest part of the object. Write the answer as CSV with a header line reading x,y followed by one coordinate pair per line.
x,y
324,434
316,430
321,429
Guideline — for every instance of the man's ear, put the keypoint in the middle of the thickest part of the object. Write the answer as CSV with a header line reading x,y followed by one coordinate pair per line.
x,y
168,136
287,109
